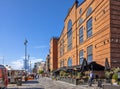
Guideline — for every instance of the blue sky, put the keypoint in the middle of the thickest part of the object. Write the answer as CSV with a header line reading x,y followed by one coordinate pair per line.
x,y
35,20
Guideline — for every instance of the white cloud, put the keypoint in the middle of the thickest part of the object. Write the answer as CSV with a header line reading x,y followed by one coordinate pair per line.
x,y
18,64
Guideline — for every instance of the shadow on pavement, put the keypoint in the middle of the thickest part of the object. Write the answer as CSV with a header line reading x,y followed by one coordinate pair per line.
x,y
25,88
31,82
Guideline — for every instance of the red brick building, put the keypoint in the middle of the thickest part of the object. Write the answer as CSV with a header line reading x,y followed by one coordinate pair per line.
x,y
53,54
92,31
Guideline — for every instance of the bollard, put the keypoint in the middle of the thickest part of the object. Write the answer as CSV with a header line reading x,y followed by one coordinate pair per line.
x,y
99,83
19,82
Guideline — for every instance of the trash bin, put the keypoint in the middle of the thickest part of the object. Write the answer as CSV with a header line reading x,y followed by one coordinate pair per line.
x,y
19,82
26,78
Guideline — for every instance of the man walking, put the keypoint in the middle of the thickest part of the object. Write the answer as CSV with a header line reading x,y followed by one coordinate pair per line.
x,y
91,78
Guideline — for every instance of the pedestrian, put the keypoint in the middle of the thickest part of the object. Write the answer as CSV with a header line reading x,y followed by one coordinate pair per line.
x,y
91,77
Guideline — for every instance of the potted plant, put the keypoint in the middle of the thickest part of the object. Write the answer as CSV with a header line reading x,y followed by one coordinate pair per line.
x,y
114,78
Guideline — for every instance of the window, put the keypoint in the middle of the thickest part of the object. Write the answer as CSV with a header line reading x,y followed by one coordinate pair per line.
x,y
69,62
89,54
80,11
62,47
61,63
81,56
69,35
81,35
89,28
81,20
89,11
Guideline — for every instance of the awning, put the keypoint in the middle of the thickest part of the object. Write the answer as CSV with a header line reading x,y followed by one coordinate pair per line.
x,y
84,67
95,67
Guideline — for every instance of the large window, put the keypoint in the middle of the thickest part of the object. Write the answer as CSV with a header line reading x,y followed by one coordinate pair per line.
x,y
69,62
61,47
89,54
89,11
69,35
81,56
81,20
61,63
81,35
89,28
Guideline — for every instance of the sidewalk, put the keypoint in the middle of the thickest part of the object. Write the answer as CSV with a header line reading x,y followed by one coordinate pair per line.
x,y
65,85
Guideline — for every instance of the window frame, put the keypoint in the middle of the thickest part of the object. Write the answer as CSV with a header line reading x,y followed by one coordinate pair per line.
x,y
89,26
90,53
89,11
69,62
69,35
81,56
81,35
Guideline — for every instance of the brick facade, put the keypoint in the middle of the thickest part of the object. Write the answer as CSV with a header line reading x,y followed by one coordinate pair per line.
x,y
53,54
105,38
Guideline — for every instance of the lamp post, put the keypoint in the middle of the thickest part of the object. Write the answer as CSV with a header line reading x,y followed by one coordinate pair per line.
x,y
3,60
30,67
28,62
25,61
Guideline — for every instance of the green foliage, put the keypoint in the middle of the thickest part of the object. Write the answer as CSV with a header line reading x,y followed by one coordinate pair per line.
x,y
65,74
62,73
108,74
118,83
116,70
41,71
115,76
78,75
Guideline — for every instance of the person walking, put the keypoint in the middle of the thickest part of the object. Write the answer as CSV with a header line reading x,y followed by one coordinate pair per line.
x,y
91,77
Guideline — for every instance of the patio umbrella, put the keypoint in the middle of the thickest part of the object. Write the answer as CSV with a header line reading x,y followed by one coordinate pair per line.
x,y
84,66
107,66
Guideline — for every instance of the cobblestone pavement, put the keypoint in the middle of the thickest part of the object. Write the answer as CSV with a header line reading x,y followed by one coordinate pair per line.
x,y
48,83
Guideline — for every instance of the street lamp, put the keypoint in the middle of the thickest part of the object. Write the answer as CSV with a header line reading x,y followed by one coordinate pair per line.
x,y
25,61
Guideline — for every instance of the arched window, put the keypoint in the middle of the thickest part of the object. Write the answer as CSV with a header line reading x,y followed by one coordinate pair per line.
x,y
69,62
89,11
69,35
80,21
80,11
69,25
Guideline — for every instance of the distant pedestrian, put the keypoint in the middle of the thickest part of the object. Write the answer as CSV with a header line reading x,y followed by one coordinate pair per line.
x,y
91,77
